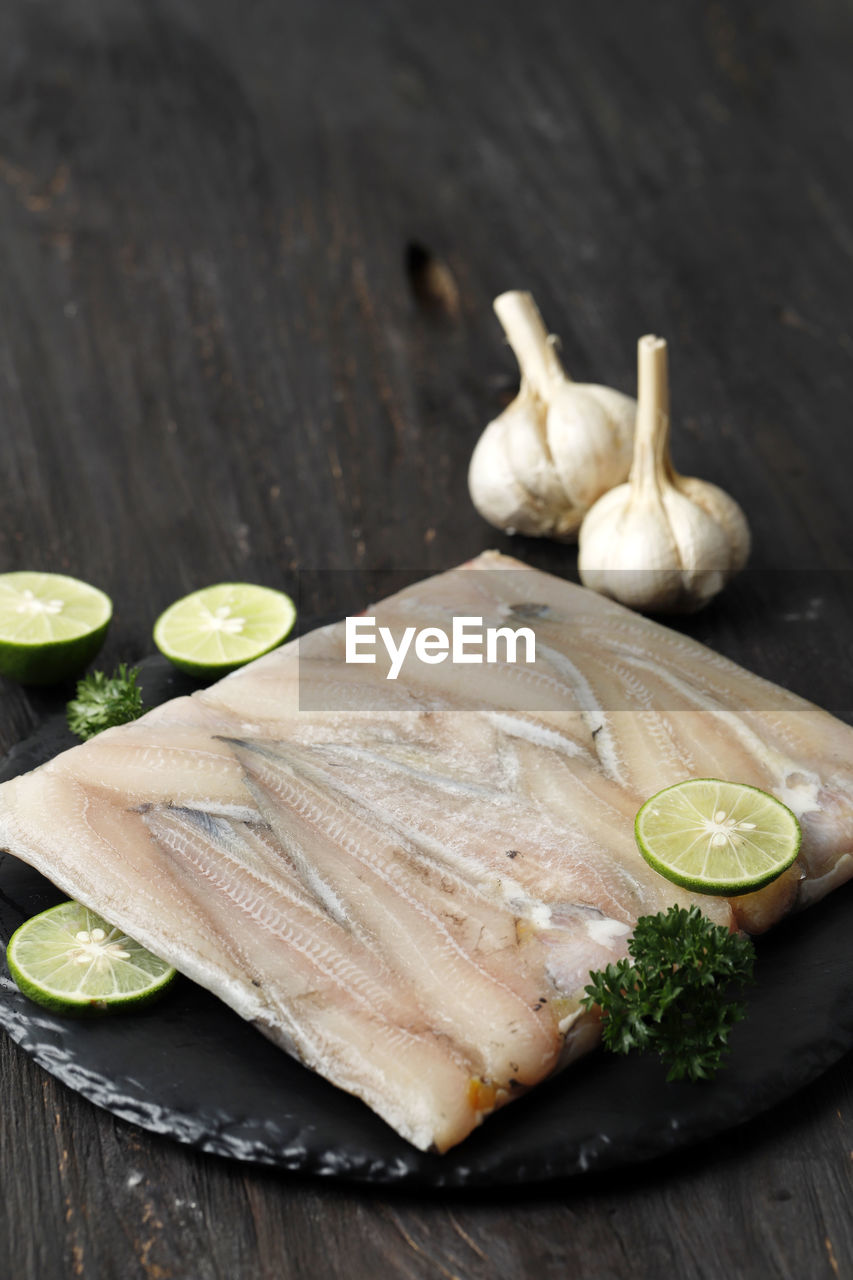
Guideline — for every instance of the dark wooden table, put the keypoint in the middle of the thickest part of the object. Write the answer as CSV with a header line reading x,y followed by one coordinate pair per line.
x,y
247,258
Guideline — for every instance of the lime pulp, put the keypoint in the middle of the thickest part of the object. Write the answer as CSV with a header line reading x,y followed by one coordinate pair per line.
x,y
51,626
70,960
220,628
711,836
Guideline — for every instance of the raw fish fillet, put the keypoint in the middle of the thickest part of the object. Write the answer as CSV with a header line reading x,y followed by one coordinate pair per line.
x,y
407,886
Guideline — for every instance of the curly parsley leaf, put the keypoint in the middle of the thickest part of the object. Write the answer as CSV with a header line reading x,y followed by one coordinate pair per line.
x,y
674,994
103,701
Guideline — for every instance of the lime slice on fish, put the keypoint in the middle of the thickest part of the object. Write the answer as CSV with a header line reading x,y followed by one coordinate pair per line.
x,y
717,837
51,626
218,629
70,960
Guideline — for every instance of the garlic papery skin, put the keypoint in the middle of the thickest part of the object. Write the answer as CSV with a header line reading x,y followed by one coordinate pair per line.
x,y
662,543
539,467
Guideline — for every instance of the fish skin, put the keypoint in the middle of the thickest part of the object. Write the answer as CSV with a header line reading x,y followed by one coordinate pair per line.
x,y
407,887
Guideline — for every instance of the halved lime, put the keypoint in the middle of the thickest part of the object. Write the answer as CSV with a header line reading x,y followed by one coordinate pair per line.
x,y
70,960
218,629
51,626
717,837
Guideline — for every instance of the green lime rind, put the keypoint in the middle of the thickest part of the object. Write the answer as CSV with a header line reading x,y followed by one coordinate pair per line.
x,y
216,630
758,838
51,663
53,967
51,626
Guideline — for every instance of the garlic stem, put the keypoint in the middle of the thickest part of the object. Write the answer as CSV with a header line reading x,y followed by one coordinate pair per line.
x,y
651,464
531,344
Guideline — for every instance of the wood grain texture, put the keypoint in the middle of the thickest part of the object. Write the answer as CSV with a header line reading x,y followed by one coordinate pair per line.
x,y
247,259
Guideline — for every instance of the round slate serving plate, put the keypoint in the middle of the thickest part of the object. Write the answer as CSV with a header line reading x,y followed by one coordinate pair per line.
x,y
193,1070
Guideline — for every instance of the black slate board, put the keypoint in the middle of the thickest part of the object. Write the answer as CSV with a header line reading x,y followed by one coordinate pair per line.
x,y
193,1070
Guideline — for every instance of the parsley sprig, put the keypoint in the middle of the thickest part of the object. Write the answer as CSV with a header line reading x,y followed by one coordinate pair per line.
x,y
674,995
103,701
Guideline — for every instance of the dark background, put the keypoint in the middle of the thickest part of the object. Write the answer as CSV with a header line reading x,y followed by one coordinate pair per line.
x,y
247,257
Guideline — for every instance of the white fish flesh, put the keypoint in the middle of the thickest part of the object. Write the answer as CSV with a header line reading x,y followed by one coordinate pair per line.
x,y
406,883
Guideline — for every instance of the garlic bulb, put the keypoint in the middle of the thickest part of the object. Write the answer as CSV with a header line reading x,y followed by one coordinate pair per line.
x,y
538,468
661,542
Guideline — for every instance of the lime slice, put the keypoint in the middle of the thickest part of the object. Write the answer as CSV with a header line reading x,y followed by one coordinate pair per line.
x,y
218,629
70,960
51,626
717,837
